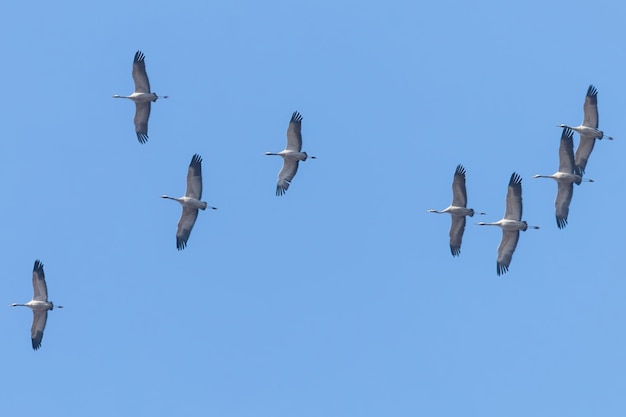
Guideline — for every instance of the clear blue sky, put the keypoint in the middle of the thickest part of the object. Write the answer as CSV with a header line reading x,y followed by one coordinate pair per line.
x,y
340,298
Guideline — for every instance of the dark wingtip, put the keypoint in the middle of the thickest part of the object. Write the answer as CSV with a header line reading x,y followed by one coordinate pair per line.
x,y
139,56
196,160
296,117
561,222
142,137
516,179
501,269
567,133
36,341
38,266
460,170
280,191
592,91
456,251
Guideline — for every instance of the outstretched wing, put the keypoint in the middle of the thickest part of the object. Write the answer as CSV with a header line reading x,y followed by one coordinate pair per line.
x,y
142,85
585,146
294,132
285,176
459,193
185,224
562,202
142,114
456,234
194,178
566,152
590,108
514,198
39,282
506,249
39,324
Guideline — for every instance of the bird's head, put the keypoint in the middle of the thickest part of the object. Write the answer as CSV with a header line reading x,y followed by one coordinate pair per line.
x,y
562,125
536,176
431,211
164,196
269,153
14,305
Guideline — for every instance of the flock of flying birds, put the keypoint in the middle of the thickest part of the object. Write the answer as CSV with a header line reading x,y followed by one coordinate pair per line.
x,y
191,201
571,170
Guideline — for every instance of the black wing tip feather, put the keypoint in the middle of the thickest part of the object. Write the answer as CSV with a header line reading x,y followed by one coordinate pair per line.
x,y
36,341
181,244
567,133
502,268
561,222
455,250
592,91
460,170
296,117
280,190
38,266
196,161
516,179
139,57
142,137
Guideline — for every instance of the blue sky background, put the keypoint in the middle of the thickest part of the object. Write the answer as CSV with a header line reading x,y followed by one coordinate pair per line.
x,y
340,298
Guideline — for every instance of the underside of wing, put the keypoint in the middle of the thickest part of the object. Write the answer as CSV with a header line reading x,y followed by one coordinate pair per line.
x,y
39,324
562,202
459,193
142,114
566,152
142,85
590,108
185,224
40,288
514,198
285,176
294,132
456,234
506,249
585,146
194,178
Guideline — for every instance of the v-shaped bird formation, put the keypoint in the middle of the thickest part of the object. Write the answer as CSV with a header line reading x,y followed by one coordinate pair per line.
x,y
571,170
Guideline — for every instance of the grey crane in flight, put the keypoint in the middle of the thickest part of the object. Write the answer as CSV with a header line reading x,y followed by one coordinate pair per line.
x,y
190,202
39,305
567,175
511,224
142,96
292,154
588,130
458,210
